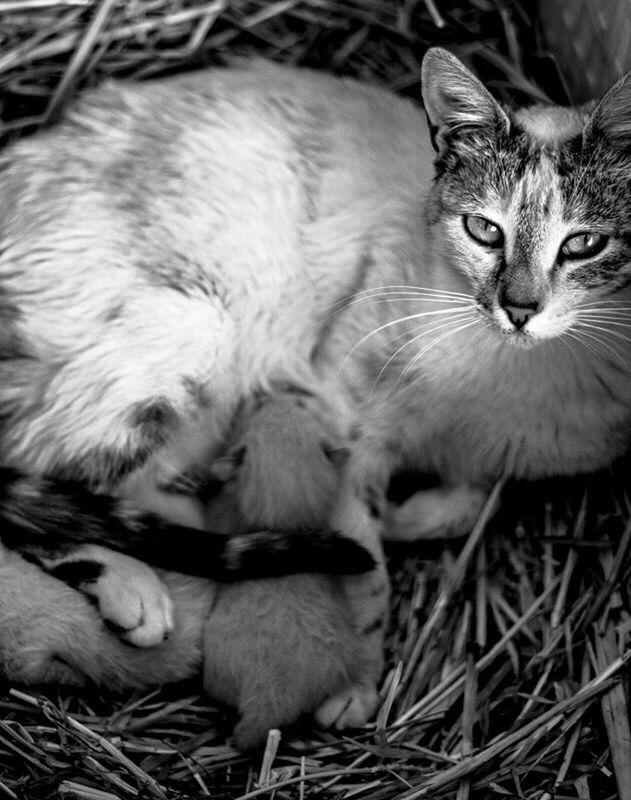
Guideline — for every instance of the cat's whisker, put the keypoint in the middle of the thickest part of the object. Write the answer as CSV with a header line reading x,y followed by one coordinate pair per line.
x,y
615,305
583,334
607,331
620,322
401,320
409,366
341,305
384,297
613,313
410,287
429,326
430,345
402,290
414,298
412,340
576,338
563,339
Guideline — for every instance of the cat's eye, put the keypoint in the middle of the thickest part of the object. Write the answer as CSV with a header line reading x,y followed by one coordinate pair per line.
x,y
583,245
483,230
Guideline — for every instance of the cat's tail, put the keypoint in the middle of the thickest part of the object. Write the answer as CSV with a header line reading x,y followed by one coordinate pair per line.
x,y
49,517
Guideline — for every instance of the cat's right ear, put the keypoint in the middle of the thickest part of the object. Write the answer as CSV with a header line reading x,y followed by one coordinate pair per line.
x,y
455,101
611,119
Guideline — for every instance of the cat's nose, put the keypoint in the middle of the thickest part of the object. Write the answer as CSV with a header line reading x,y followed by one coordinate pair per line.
x,y
519,315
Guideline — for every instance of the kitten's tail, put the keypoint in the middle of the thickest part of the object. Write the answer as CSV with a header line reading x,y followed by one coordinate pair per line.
x,y
46,517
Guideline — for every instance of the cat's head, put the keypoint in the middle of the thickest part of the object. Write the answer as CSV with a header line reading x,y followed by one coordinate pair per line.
x,y
534,206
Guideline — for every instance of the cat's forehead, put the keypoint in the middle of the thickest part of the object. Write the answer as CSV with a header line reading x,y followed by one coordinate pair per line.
x,y
550,126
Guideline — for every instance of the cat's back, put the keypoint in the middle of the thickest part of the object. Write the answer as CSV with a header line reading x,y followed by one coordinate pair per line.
x,y
193,124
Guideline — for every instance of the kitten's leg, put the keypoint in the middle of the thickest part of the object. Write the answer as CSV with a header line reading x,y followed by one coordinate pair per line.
x,y
358,513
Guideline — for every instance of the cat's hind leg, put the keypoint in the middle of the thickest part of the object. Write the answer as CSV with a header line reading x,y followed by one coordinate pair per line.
x,y
127,376
52,634
129,595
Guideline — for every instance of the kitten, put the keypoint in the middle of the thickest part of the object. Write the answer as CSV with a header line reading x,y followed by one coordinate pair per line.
x,y
273,649
459,291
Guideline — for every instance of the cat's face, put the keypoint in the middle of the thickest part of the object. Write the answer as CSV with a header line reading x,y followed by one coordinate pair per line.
x,y
534,208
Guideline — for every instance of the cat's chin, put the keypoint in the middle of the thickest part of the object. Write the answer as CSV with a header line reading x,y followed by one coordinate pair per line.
x,y
523,341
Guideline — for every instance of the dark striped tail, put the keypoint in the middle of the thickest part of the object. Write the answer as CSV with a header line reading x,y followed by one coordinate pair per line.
x,y
51,518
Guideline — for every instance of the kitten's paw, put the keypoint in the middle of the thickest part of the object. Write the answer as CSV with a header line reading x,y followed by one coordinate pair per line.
x,y
130,596
440,513
350,708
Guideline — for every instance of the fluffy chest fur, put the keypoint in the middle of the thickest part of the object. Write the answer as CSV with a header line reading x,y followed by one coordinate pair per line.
x,y
528,414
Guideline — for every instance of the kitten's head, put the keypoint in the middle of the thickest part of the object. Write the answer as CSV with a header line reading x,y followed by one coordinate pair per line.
x,y
534,207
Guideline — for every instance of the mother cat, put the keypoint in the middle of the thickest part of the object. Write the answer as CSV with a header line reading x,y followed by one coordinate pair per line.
x,y
174,247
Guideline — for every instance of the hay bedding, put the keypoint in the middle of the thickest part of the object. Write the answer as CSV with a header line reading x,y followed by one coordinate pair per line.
x,y
508,652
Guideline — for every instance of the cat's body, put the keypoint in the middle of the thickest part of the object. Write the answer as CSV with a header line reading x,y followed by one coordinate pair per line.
x,y
175,247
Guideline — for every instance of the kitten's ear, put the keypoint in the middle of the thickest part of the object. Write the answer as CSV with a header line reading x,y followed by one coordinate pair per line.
x,y
611,118
455,100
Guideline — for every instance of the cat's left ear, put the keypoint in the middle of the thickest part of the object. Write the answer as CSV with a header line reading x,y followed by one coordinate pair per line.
x,y
611,119
455,101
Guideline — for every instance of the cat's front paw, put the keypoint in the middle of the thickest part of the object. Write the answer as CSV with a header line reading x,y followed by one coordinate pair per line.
x,y
440,513
350,708
130,596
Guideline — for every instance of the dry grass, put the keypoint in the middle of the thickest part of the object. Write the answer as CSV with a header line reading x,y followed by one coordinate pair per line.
x,y
508,652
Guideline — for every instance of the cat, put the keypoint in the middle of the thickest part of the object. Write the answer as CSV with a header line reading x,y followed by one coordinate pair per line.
x,y
457,290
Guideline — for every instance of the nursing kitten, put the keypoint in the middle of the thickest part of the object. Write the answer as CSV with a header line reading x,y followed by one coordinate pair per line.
x,y
459,292
273,649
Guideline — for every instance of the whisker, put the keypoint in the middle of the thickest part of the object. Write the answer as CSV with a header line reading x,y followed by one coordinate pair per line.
x,y
409,287
617,304
606,316
582,342
409,298
432,344
562,339
461,317
398,321
416,291
617,334
599,340
426,327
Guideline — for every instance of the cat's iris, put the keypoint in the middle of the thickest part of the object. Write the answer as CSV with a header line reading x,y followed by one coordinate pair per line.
x,y
583,245
483,230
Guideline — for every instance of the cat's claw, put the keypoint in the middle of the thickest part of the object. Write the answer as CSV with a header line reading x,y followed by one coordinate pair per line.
x,y
350,708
